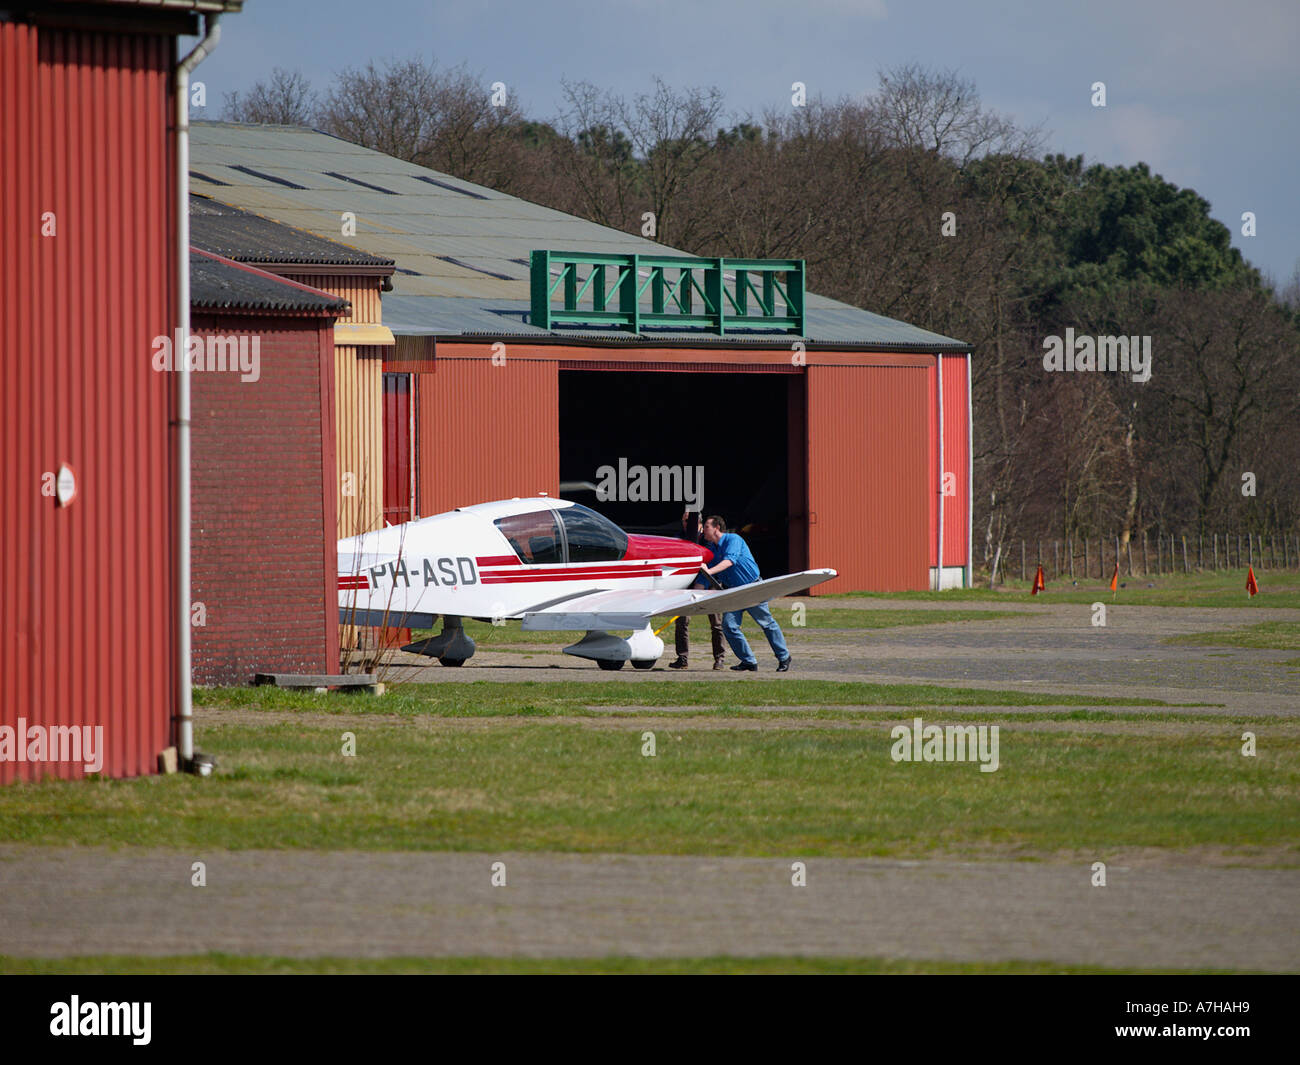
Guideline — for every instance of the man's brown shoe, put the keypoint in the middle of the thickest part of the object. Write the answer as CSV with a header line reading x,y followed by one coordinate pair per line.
x,y
679,664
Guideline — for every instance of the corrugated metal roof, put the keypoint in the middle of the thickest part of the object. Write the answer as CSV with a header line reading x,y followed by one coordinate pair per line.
x,y
251,238
216,284
485,230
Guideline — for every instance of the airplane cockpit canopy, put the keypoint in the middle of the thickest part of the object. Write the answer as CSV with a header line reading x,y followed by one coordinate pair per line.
x,y
592,537
574,534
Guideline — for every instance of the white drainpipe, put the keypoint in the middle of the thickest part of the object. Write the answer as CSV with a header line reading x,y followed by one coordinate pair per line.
x,y
184,665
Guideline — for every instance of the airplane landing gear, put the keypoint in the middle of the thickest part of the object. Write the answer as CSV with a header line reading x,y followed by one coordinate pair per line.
x,y
642,649
451,647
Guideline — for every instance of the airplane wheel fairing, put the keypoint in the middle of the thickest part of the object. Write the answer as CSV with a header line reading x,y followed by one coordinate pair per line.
x,y
605,663
451,647
645,664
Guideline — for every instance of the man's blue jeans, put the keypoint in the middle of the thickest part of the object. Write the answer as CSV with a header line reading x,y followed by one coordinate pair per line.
x,y
775,638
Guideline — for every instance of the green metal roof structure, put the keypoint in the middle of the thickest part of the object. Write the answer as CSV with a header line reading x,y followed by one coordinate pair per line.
x,y
464,253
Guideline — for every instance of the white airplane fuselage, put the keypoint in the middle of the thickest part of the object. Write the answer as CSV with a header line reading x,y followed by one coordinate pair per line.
x,y
462,563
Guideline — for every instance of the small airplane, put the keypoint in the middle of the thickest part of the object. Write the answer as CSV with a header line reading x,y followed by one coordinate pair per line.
x,y
555,564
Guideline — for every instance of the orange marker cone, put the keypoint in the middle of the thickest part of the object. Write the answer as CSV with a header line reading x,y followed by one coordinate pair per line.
x,y
1251,585
1114,579
1039,584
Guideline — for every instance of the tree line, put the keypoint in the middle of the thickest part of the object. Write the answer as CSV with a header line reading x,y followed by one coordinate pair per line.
x,y
919,202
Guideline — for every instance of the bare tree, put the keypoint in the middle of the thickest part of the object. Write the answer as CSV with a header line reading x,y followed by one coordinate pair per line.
x,y
603,181
673,132
941,112
448,120
671,137
284,99
1226,374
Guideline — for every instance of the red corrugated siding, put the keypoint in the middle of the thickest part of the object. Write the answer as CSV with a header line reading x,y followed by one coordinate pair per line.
x,y
867,476
88,635
935,478
487,432
956,458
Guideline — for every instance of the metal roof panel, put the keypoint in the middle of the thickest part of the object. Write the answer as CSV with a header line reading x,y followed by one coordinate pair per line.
x,y
426,221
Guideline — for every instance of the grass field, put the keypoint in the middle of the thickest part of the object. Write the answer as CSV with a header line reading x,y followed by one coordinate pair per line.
x,y
765,768
710,789
1270,635
1277,588
228,964
556,698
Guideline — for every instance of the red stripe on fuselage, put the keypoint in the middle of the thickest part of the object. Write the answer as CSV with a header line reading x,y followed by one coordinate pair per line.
x,y
591,569
577,575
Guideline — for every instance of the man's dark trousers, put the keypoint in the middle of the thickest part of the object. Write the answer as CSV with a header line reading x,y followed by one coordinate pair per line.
x,y
715,631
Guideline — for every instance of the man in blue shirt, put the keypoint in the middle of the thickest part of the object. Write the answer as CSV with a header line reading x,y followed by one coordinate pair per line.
x,y
733,567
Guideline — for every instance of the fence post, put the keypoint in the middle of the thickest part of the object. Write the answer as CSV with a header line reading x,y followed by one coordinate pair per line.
x,y
1087,567
1146,568
1214,540
1069,550
1056,553
1022,560
1129,546
1185,569
1160,553
1200,550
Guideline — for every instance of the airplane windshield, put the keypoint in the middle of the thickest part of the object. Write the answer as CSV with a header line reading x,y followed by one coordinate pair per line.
x,y
592,538
535,536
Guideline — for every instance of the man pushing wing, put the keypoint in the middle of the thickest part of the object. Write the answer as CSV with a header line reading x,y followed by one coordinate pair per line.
x,y
734,566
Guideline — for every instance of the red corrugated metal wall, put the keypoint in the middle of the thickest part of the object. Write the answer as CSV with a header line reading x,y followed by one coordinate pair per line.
x,y
486,431
956,461
868,476
956,457
88,637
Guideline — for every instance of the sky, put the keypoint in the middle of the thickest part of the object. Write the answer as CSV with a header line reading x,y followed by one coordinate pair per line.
x,y
1206,93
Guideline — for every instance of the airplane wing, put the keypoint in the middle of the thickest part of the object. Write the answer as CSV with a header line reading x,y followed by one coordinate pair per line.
x,y
393,615
634,609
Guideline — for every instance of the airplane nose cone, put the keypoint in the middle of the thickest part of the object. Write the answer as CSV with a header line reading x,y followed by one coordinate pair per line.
x,y
639,546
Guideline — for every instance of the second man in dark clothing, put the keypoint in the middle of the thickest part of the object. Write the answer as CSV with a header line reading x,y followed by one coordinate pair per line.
x,y
692,526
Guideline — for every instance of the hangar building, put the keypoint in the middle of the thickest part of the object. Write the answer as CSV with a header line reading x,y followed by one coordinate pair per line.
x,y
525,359
89,276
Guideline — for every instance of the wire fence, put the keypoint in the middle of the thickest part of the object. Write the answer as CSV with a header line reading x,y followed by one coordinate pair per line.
x,y
1083,558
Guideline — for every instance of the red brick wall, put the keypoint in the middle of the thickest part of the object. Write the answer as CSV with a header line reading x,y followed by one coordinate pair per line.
x,y
263,504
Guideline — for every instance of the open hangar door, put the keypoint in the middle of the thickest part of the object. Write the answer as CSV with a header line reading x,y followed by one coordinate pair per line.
x,y
738,426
